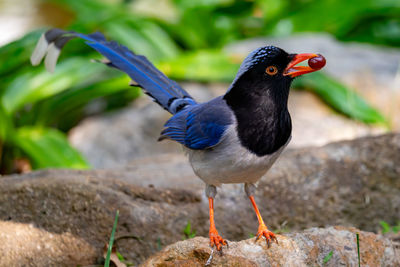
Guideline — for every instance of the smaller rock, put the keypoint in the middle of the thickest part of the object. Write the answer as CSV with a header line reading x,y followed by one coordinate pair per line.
x,y
333,246
27,245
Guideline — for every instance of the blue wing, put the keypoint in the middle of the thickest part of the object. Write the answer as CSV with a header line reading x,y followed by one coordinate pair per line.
x,y
200,126
164,91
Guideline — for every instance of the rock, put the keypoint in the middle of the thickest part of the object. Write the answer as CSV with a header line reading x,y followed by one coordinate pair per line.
x,y
308,112
82,205
26,245
309,248
115,139
351,183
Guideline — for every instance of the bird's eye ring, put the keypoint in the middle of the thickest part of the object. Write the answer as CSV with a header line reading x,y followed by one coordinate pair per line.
x,y
271,70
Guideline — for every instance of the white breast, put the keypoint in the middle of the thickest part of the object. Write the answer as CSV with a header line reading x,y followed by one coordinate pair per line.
x,y
230,162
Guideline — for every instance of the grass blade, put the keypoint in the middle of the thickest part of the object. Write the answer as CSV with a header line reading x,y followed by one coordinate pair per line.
x,y
358,249
328,257
110,244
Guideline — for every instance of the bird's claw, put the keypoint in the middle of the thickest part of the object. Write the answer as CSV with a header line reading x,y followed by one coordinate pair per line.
x,y
269,236
217,241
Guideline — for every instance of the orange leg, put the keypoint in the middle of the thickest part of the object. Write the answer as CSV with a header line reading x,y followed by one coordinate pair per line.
x,y
215,238
262,228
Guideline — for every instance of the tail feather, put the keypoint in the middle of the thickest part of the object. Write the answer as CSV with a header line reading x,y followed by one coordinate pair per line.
x,y
164,91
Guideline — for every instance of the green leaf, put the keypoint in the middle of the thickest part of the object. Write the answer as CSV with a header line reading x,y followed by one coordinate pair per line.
x,y
36,85
328,257
17,53
48,148
385,227
120,257
110,244
396,228
188,231
160,40
68,105
6,126
203,65
126,34
340,97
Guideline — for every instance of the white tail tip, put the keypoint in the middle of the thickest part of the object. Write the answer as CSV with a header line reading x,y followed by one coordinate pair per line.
x,y
40,51
51,58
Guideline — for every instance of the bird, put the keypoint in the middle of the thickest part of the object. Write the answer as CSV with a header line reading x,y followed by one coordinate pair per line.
x,y
233,138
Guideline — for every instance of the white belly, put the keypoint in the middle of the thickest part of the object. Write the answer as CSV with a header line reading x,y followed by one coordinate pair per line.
x,y
229,162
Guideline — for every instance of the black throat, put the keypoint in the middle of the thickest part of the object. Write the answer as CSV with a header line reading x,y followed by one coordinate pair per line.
x,y
264,123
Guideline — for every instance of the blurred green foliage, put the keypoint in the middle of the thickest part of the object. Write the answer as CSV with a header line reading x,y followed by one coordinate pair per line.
x,y
37,108
386,228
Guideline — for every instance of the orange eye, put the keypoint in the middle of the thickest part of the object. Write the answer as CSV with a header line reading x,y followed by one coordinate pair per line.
x,y
271,70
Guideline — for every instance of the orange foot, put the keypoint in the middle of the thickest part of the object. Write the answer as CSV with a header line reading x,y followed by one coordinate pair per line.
x,y
216,240
263,231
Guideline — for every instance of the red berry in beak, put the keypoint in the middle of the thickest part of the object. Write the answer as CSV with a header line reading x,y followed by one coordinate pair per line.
x,y
317,62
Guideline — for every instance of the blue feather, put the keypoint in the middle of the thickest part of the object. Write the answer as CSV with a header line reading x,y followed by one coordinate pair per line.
x,y
165,92
201,126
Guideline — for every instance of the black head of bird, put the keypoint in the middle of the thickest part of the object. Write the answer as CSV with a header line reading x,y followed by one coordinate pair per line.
x,y
259,94
270,70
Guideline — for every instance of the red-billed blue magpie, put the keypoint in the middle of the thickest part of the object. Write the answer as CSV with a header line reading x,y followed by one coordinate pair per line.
x,y
234,138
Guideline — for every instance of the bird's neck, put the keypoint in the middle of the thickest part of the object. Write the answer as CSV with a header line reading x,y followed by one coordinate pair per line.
x,y
263,120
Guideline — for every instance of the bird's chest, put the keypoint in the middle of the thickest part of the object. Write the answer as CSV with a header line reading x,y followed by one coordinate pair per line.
x,y
263,131
230,162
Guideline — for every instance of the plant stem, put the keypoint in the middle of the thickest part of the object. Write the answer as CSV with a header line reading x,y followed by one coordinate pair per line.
x,y
1,154
358,249
107,262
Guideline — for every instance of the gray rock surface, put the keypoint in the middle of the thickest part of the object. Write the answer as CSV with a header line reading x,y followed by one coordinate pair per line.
x,y
116,139
352,183
27,245
308,248
83,205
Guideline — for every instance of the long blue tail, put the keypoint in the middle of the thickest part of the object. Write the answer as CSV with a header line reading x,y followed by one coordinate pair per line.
x,y
167,93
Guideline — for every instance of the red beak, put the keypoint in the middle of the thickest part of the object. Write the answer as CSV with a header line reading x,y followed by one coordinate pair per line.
x,y
294,70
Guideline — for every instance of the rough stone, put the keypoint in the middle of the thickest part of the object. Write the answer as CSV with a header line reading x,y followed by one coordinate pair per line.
x,y
309,248
26,245
351,183
82,204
